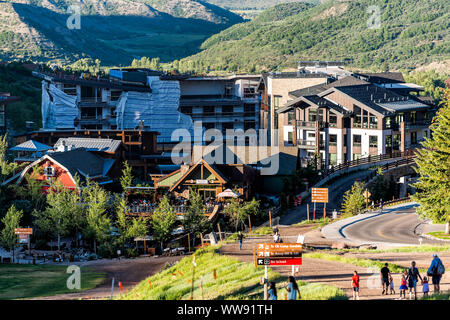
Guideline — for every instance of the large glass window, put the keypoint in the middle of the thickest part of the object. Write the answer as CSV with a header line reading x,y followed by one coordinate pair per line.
x,y
413,117
373,122
312,115
413,137
387,122
397,141
333,140
373,141
357,140
333,159
357,121
399,118
333,120
291,117
365,119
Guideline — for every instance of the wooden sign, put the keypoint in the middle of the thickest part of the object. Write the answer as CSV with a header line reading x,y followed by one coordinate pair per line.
x,y
23,231
319,195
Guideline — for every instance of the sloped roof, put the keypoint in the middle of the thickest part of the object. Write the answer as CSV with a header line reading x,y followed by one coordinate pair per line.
x,y
314,100
80,161
31,145
382,77
90,144
314,90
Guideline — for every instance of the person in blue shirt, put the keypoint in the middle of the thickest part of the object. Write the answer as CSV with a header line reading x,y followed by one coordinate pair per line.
x,y
293,289
433,271
272,291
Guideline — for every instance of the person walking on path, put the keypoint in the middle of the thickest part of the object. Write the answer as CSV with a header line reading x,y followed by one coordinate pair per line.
x,y
435,271
403,285
293,289
413,277
355,285
276,237
272,291
391,285
240,238
381,206
385,275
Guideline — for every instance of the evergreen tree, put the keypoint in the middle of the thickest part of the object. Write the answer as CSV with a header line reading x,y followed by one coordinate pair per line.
x,y
11,221
433,165
354,199
238,211
127,178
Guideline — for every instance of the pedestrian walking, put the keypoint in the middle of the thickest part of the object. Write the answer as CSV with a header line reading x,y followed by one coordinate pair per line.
x,y
385,275
240,238
293,289
403,285
435,271
355,285
391,285
272,291
276,237
381,206
413,277
425,286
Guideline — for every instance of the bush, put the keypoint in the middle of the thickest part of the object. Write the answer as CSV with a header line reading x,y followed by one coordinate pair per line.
x,y
106,250
132,253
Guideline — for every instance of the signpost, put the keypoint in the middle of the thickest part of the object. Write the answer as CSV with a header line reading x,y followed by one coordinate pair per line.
x,y
278,254
24,236
320,195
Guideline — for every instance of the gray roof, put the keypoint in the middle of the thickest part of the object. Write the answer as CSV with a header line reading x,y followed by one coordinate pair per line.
x,y
82,162
91,144
31,145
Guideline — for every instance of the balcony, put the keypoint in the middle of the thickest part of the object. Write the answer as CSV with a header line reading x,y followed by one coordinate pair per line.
x,y
310,124
309,144
417,124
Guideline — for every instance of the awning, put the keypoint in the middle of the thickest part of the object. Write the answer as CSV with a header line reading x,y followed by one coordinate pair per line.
x,y
228,193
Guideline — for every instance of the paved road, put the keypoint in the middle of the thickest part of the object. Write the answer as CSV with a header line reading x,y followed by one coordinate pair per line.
x,y
396,226
336,193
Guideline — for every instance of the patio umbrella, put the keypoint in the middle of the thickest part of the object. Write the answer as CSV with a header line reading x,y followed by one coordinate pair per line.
x,y
228,193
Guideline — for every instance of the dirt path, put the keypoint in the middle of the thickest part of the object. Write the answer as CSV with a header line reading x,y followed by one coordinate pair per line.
x,y
128,271
339,274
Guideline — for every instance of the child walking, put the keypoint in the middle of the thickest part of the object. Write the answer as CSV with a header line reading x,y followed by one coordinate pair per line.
x,y
391,285
355,285
403,285
425,287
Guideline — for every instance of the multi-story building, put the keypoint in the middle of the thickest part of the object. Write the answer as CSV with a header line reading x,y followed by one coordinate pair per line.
x,y
222,103
352,118
275,89
5,99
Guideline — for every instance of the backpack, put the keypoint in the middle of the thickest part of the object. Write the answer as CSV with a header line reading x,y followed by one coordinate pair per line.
x,y
440,268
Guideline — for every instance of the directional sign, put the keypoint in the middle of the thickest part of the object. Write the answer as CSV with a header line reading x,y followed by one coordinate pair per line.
x,y
319,195
23,231
280,262
279,247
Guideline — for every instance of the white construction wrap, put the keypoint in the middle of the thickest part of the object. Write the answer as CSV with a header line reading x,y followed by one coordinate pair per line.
x,y
59,110
158,109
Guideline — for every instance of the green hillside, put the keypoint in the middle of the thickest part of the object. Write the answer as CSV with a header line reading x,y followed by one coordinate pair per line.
x,y
413,33
114,31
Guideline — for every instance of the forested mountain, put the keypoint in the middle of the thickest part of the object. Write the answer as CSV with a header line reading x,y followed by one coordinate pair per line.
x,y
411,33
114,31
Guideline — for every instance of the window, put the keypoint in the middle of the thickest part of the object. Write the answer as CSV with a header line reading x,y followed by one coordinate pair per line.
x,y
356,156
387,122
208,110
249,125
333,140
357,140
388,141
291,117
399,118
186,110
312,115
333,159
373,121
365,119
290,137
227,110
357,122
373,141
249,109
413,117
276,102
413,137
227,126
333,120
311,135
345,140
49,171
397,141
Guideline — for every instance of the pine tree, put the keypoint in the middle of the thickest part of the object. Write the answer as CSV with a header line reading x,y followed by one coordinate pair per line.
x,y
433,165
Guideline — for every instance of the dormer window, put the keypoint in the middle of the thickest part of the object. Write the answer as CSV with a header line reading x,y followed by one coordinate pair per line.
x,y
49,171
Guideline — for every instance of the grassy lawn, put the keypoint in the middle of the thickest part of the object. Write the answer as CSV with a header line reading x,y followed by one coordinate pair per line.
x,y
355,261
440,296
440,235
30,281
264,231
235,280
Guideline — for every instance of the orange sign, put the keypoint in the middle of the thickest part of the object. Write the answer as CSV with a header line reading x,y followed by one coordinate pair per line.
x,y
267,250
23,231
319,195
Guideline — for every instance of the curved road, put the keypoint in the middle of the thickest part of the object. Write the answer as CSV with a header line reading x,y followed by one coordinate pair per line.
x,y
395,226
